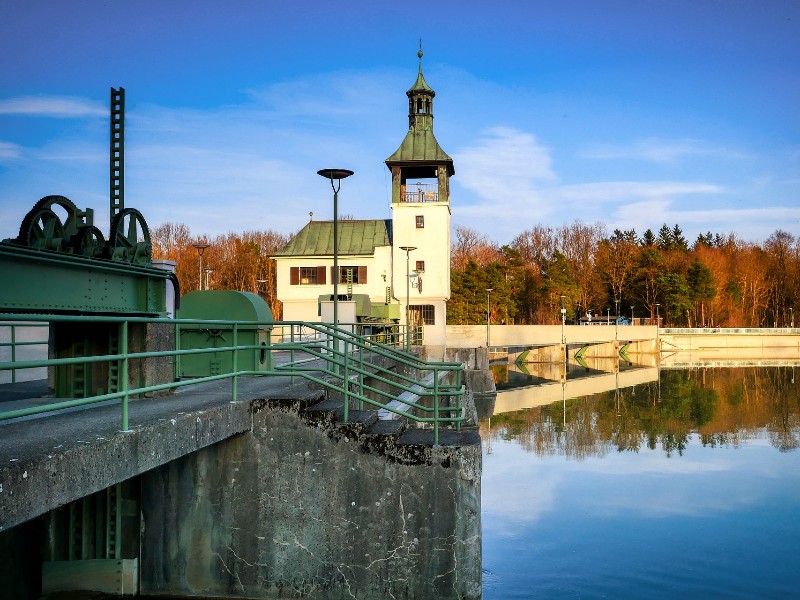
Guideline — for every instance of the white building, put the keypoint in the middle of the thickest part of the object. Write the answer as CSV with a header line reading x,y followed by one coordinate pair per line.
x,y
376,257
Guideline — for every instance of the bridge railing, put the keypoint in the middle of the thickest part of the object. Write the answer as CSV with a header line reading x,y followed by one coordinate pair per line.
x,y
335,358
21,338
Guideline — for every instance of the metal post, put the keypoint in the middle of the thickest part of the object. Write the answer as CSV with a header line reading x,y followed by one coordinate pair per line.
x,y
201,247
408,250
563,321
631,314
335,175
488,314
123,343
658,316
235,362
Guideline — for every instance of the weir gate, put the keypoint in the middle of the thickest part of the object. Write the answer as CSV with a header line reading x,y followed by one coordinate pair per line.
x,y
209,455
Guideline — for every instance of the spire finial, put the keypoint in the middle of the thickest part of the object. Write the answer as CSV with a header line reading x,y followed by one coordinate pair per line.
x,y
420,55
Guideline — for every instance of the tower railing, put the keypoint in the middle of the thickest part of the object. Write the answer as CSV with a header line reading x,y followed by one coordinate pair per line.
x,y
421,192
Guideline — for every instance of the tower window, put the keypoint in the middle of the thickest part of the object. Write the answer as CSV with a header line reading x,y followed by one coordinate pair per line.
x,y
420,221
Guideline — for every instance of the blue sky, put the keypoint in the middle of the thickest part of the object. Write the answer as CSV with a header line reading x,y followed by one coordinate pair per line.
x,y
634,113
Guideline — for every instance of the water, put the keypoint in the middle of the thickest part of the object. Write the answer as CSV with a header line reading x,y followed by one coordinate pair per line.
x,y
685,486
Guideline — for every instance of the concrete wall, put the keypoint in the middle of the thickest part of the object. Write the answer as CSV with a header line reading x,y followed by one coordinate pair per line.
x,y
472,336
318,509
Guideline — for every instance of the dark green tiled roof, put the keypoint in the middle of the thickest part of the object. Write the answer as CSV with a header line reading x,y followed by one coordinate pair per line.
x,y
420,146
355,238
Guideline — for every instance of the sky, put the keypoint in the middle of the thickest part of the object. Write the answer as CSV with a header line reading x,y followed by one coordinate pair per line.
x,y
633,113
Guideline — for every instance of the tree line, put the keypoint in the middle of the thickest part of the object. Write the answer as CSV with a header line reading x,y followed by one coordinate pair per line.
x,y
233,261
718,281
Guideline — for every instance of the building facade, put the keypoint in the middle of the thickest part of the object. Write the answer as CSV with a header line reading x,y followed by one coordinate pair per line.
x,y
399,267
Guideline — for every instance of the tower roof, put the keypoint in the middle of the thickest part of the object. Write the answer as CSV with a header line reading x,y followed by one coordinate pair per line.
x,y
419,149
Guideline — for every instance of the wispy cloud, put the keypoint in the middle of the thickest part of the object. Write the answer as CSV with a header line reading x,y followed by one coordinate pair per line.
x,y
504,163
660,150
51,106
9,150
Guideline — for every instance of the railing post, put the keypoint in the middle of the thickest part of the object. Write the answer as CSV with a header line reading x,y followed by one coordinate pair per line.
x,y
235,361
177,351
435,406
13,351
346,383
123,343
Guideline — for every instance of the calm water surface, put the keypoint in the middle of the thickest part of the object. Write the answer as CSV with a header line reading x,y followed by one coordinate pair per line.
x,y
687,486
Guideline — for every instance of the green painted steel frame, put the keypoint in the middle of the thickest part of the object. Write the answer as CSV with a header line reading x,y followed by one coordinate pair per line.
x,y
329,356
40,281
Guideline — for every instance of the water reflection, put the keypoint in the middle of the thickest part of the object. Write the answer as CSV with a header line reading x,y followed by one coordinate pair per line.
x,y
681,484
646,408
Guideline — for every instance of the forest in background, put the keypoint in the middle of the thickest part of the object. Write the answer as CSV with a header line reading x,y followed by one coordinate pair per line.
x,y
717,281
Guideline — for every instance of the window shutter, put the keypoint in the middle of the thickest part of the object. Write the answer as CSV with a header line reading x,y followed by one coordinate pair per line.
x,y
362,274
321,275
294,275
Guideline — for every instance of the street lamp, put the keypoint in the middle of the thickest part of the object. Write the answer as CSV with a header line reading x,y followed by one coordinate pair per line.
x,y
488,314
563,321
201,247
335,175
408,250
658,316
791,317
631,314
608,316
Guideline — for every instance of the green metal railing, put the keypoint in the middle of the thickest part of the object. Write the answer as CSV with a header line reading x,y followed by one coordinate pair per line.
x,y
334,358
10,332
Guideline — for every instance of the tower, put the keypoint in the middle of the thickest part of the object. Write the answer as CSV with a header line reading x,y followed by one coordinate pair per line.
x,y
421,173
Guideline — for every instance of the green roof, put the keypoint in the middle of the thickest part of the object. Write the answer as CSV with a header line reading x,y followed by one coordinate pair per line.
x,y
355,238
420,146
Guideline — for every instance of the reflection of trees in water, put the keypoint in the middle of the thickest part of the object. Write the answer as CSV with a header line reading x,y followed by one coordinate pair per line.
x,y
724,407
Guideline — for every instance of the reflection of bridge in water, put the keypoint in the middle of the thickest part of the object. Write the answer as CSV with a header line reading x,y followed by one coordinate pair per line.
x,y
603,375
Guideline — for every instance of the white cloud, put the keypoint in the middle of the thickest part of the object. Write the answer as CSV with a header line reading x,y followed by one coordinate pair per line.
x,y
504,163
52,106
660,150
9,150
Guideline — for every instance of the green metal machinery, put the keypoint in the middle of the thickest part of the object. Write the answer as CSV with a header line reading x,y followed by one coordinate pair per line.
x,y
230,305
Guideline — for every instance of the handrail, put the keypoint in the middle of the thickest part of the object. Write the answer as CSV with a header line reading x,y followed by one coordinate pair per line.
x,y
15,343
329,356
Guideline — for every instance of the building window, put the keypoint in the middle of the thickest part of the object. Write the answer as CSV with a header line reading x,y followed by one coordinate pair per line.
x,y
358,273
422,312
307,275
420,221
420,266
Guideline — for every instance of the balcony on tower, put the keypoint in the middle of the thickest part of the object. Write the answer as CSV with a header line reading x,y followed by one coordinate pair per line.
x,y
420,192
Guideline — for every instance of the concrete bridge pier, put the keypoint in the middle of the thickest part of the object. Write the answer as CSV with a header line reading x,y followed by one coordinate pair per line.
x,y
602,350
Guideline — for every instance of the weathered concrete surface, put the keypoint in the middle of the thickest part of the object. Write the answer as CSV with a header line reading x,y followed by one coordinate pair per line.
x,y
50,461
305,506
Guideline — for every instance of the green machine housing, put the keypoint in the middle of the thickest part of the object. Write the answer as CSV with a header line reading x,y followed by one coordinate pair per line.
x,y
227,305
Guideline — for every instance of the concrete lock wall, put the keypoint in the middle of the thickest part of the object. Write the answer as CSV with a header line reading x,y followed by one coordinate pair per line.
x,y
322,510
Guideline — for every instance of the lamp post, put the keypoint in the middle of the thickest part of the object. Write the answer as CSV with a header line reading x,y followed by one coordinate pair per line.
x,y
201,247
563,321
658,316
616,318
608,316
791,317
408,250
631,314
335,175
488,314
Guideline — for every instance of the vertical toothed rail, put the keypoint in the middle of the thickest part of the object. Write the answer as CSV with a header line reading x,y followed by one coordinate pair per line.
x,y
117,153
